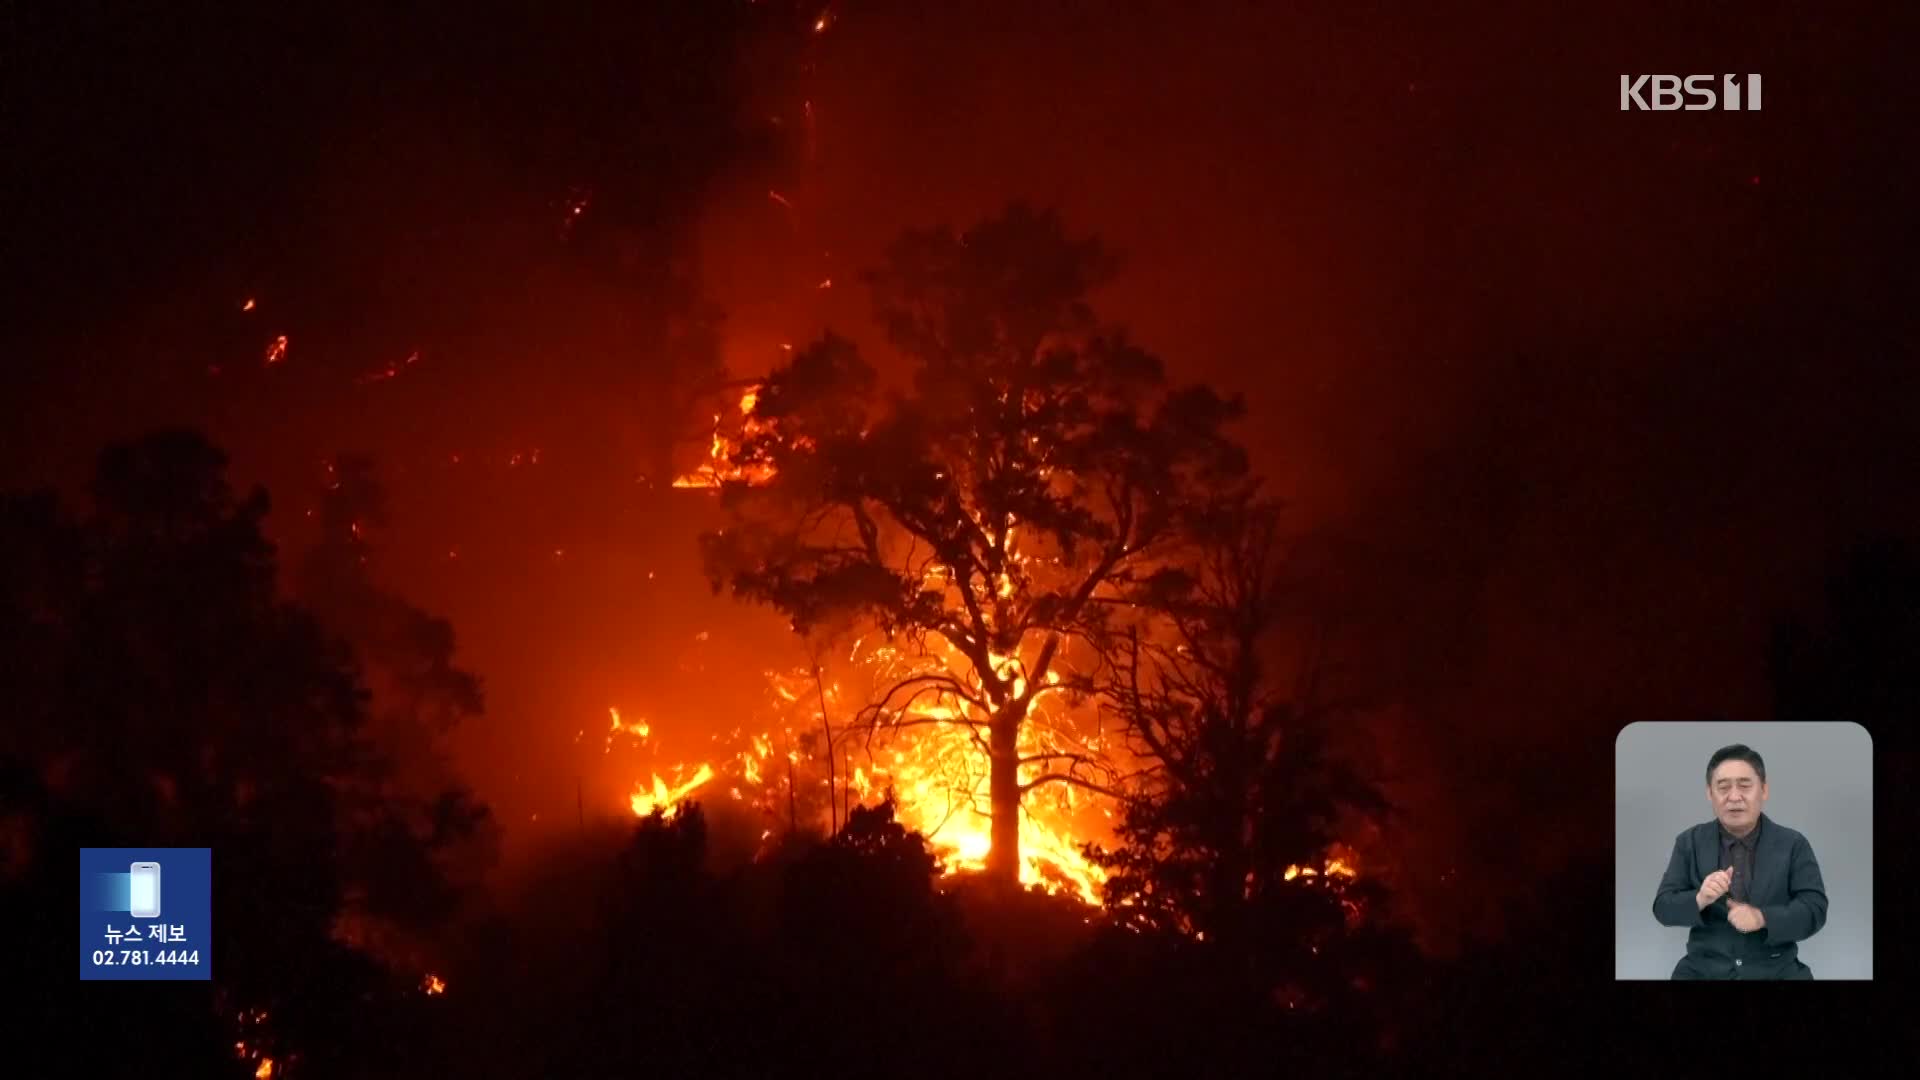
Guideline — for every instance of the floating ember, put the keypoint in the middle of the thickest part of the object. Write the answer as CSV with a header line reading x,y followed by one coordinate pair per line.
x,y
638,729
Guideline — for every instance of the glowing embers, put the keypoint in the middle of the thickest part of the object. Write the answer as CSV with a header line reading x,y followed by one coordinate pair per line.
x,y
393,370
718,469
251,1023
638,729
1334,868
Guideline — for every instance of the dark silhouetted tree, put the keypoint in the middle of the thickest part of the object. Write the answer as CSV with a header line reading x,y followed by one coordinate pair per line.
x,y
162,693
1240,788
987,515
864,901
420,838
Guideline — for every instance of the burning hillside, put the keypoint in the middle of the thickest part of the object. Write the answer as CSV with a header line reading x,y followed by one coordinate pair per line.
x,y
917,723
808,768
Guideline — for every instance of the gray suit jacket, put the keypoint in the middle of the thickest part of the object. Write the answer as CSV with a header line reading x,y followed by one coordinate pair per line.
x,y
1786,887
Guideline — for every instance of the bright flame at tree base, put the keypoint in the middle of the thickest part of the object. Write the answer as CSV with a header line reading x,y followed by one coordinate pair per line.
x,y
1050,858
938,782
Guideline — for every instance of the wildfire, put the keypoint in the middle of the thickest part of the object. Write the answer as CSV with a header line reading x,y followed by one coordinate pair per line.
x,y
1334,867
663,798
246,1051
929,751
433,985
939,781
935,772
277,351
940,787
638,729
716,470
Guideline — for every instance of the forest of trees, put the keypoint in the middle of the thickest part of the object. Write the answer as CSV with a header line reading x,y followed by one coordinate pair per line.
x,y
1037,509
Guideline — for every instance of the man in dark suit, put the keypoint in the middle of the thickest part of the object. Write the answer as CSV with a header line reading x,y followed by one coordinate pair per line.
x,y
1746,887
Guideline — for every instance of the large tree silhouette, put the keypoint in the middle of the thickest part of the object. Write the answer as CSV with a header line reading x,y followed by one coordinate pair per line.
x,y
989,514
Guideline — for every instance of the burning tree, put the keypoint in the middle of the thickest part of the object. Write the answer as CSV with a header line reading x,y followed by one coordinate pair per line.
x,y
989,516
1226,833
918,756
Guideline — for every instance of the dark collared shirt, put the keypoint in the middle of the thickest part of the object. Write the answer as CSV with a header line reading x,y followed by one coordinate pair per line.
x,y
1738,852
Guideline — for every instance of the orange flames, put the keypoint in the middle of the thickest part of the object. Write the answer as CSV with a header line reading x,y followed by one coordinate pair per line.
x,y
1335,867
715,470
250,1022
937,774
664,798
928,752
927,756
638,729
939,783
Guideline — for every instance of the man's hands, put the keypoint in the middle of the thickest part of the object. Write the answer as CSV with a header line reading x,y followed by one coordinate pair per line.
x,y
1714,887
1745,917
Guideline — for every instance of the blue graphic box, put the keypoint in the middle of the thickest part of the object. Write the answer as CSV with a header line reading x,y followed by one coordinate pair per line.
x,y
146,913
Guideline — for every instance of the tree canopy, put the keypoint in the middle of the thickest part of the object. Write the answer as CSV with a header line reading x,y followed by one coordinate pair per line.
x,y
991,511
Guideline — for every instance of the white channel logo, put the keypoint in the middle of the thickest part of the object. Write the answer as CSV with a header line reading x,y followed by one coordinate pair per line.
x,y
1668,93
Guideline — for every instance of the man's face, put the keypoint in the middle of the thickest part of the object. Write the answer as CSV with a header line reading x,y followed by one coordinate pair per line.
x,y
1737,795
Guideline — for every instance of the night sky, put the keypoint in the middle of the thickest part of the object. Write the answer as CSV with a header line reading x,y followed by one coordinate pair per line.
x,y
1592,397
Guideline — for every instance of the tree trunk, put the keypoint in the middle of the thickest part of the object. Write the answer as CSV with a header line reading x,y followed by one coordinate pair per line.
x,y
1003,858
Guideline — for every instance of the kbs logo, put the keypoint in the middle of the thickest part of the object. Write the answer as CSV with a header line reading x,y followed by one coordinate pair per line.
x,y
1665,92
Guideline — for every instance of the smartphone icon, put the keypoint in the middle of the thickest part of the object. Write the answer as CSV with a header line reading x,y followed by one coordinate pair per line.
x,y
146,890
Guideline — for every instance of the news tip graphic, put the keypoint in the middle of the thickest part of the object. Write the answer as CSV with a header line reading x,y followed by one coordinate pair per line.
x,y
146,913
